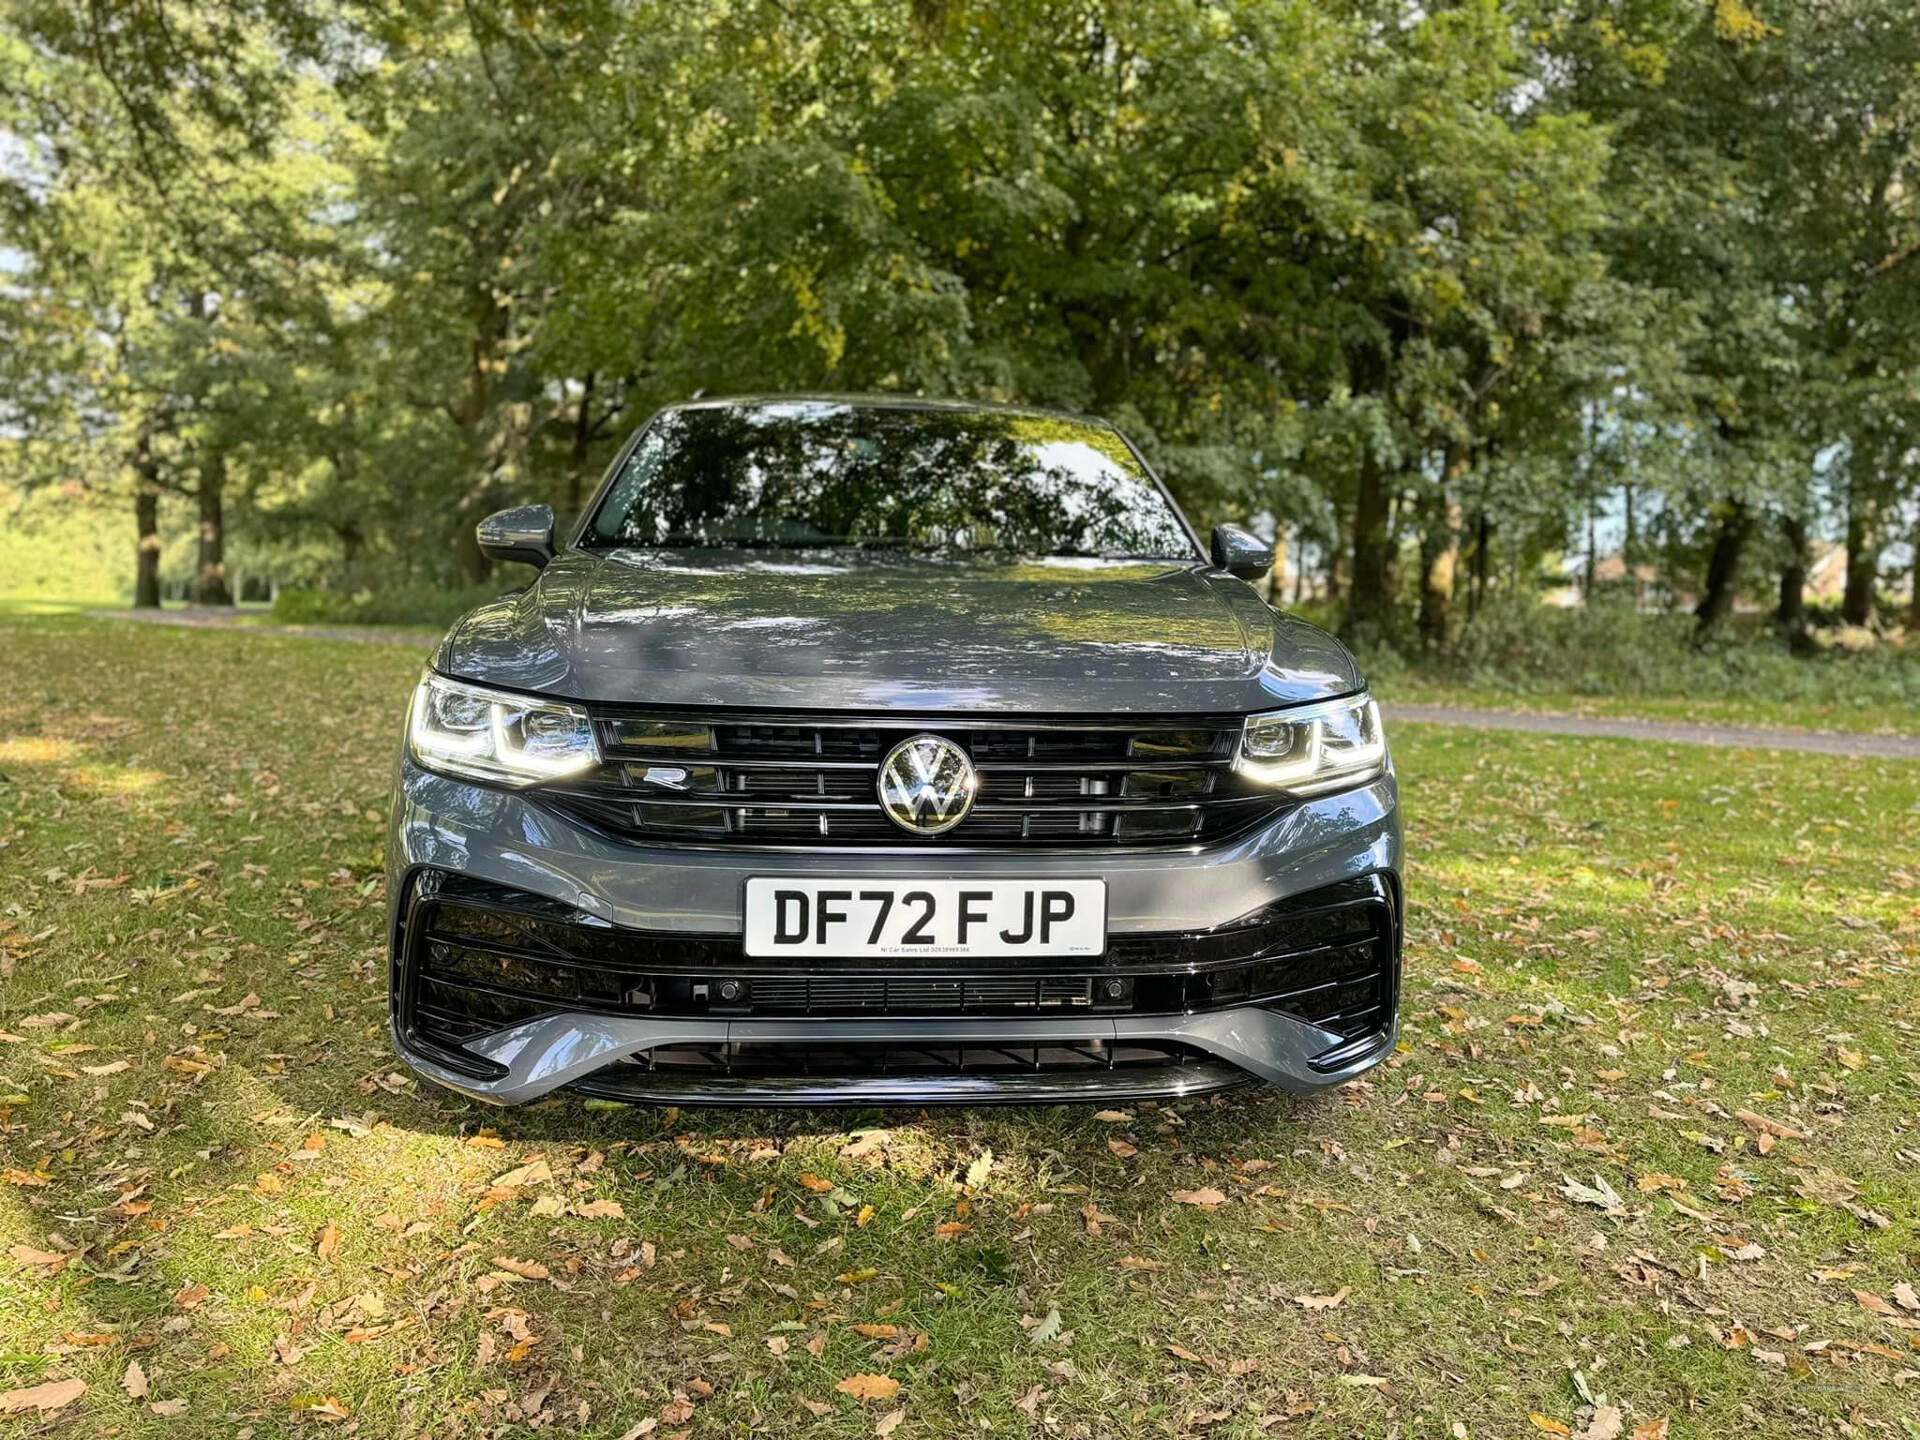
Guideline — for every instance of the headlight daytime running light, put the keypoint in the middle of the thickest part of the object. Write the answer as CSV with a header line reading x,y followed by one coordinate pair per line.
x,y
494,735
1314,749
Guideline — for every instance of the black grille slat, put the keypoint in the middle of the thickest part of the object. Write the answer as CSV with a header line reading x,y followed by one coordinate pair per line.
x,y
718,779
475,965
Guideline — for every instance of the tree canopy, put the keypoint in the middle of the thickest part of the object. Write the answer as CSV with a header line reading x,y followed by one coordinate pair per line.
x,y
1440,292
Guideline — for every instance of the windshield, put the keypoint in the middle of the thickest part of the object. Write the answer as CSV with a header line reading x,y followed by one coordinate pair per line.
x,y
810,474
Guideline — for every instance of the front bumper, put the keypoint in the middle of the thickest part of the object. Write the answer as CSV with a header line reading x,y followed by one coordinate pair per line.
x,y
531,953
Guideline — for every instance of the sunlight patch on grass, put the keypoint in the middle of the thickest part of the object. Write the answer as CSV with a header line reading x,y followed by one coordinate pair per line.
x,y
37,750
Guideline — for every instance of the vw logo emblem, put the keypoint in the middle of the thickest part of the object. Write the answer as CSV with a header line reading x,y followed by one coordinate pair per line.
x,y
927,784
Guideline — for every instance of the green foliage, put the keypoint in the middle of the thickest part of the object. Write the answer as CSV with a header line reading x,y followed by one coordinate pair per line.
x,y
1517,649
1431,288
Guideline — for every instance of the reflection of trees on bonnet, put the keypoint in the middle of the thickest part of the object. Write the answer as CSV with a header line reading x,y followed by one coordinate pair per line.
x,y
820,473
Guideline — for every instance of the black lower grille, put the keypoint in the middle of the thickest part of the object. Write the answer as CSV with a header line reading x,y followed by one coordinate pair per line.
x,y
477,958
718,780
757,1059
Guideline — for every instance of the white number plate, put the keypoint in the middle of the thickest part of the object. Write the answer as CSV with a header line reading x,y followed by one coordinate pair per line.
x,y
852,918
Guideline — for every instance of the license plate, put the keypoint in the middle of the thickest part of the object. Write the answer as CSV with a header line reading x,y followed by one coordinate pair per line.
x,y
986,918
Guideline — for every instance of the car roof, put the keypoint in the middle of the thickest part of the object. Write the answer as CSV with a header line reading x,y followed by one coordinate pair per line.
x,y
878,402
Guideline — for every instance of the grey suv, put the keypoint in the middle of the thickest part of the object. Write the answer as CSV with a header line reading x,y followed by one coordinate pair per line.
x,y
859,751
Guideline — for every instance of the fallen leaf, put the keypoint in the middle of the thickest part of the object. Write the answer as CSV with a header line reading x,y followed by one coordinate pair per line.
x,y
328,1243
869,1387
1600,1193
889,1422
1606,1424
1047,1328
525,1269
134,1382
1122,1148
816,1184
53,1395
1324,1302
167,1409
1870,1301
1549,1424
1205,1199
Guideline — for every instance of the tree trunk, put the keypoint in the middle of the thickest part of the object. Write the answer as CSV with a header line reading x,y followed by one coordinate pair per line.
x,y
1863,556
1790,615
1482,544
1593,541
1723,566
1277,576
1440,552
210,580
1369,602
146,523
582,441
1913,604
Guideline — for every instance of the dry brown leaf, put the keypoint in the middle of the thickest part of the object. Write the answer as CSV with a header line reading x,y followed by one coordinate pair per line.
x,y
534,1172
1136,1262
1549,1424
878,1332
1870,1301
816,1184
53,1395
869,1387
1324,1302
1122,1148
167,1409
1762,1125
1651,1429
525,1269
327,1245
1206,1199
134,1382
24,1177
889,1422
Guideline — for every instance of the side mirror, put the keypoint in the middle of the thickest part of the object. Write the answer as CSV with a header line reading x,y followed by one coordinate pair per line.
x,y
524,533
1240,552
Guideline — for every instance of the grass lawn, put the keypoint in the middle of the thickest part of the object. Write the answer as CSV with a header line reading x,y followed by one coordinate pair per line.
x,y
1648,1162
1839,711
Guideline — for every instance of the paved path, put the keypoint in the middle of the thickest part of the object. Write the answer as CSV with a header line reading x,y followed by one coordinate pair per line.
x,y
1741,737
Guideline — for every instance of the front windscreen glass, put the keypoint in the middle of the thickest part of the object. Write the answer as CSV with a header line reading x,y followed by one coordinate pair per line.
x,y
811,474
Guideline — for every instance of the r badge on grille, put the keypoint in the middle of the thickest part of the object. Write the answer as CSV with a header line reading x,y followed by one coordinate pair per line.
x,y
927,784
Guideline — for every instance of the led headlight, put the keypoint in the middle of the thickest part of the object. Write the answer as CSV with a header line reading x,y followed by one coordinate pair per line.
x,y
483,734
1316,748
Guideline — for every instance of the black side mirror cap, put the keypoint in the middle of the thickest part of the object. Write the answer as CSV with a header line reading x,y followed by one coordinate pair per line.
x,y
524,533
1240,552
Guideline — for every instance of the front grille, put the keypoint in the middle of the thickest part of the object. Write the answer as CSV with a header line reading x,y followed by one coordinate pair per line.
x,y
715,779
477,957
